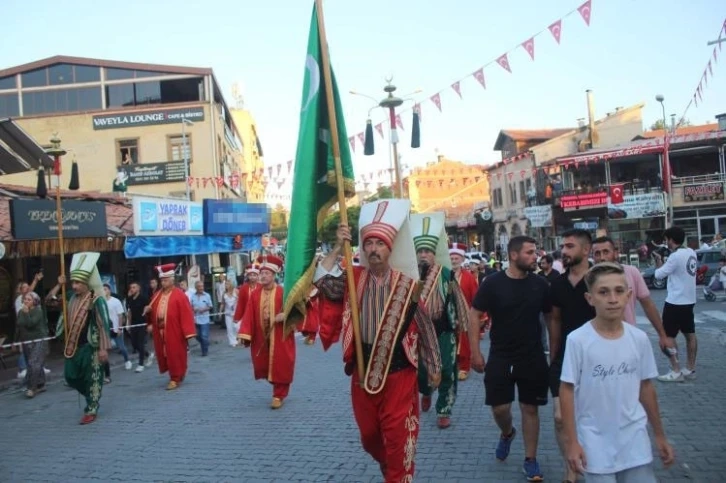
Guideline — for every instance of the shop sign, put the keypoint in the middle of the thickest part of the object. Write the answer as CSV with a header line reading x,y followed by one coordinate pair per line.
x,y
539,216
703,192
633,207
167,217
233,217
38,219
584,200
586,225
152,173
147,118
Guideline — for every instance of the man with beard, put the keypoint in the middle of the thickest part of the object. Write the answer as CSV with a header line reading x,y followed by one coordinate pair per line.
x,y
395,329
446,306
514,299
570,311
468,284
86,333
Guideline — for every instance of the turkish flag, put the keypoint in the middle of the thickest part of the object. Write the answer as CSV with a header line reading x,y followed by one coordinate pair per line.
x,y
616,194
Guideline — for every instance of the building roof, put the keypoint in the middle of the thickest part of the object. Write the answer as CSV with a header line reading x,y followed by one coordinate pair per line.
x,y
528,135
659,133
113,64
18,151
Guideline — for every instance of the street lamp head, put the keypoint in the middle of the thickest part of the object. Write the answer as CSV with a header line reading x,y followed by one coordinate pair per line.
x,y
659,98
187,121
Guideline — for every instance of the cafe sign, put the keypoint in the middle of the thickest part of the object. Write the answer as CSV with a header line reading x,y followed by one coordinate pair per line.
x,y
147,118
167,217
584,201
38,219
153,173
703,192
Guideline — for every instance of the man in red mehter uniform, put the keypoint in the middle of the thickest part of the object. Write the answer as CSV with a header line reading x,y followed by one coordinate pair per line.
x,y
469,285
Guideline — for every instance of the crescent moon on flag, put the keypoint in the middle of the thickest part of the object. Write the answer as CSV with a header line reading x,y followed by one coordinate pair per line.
x,y
311,65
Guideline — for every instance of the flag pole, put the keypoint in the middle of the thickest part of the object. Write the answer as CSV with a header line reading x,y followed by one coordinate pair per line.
x,y
352,293
56,151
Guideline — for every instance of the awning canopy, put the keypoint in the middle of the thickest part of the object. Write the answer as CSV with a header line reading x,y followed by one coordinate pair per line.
x,y
18,151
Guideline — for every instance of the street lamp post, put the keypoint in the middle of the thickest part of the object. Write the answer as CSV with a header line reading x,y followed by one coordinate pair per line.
x,y
666,169
390,103
185,155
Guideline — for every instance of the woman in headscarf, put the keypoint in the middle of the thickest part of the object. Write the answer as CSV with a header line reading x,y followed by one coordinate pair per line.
x,y
31,327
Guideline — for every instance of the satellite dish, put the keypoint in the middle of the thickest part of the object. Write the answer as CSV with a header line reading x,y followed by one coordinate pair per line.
x,y
2,250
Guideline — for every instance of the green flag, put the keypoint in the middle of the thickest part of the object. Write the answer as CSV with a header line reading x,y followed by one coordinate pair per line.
x,y
314,188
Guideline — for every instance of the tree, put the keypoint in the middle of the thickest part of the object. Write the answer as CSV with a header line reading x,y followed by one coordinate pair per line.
x,y
382,193
657,125
331,222
278,222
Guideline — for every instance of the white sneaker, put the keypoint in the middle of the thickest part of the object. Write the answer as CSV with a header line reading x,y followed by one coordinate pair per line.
x,y
46,370
128,365
139,368
149,360
671,377
21,374
688,375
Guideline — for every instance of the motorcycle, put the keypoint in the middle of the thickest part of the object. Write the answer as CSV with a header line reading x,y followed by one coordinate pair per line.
x,y
714,285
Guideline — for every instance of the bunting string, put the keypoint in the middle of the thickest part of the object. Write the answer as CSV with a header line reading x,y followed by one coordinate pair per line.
x,y
697,96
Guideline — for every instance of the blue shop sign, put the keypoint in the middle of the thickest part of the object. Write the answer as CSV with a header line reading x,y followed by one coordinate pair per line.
x,y
233,217
167,217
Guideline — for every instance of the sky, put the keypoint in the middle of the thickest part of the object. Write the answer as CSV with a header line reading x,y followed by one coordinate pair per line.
x,y
631,51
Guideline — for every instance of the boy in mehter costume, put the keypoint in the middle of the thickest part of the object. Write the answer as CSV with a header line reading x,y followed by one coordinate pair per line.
x,y
170,319
252,272
445,305
273,351
469,285
88,340
308,327
395,331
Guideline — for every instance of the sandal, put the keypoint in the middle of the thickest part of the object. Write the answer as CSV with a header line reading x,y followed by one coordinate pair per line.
x,y
30,394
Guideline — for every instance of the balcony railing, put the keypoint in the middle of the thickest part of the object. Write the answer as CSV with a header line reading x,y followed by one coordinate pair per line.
x,y
700,179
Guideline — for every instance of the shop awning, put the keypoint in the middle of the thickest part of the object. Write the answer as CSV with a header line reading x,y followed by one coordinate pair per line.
x,y
18,151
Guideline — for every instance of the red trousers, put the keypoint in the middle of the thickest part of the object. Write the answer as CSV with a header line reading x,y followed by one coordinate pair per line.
x,y
280,391
388,423
463,355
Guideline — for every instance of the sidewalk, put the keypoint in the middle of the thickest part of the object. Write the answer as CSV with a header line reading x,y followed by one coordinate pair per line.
x,y
54,361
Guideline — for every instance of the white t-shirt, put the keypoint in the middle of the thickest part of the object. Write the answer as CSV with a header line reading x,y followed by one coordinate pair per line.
x,y
722,274
115,311
18,303
680,269
611,422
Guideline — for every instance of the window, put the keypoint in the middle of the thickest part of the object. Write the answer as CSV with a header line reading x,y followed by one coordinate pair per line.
x,y
177,150
118,74
147,93
7,82
86,73
127,151
140,74
35,78
9,105
60,74
522,193
61,100
120,95
512,194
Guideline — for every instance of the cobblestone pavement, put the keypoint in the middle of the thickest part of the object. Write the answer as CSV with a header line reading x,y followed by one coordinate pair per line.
x,y
218,427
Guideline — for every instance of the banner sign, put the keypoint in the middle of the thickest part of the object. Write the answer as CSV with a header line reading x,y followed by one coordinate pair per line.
x,y
160,217
703,192
153,173
585,200
539,216
233,217
37,219
147,118
165,246
633,207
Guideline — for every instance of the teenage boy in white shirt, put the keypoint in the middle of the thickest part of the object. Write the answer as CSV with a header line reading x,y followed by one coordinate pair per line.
x,y
607,395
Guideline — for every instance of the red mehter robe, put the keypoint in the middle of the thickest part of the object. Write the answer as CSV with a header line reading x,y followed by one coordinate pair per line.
x,y
310,324
273,356
469,286
243,298
172,319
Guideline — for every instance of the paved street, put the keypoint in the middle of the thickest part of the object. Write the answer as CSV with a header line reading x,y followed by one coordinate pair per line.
x,y
218,427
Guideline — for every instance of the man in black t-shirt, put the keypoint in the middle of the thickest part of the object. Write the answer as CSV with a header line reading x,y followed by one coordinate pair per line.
x,y
570,311
514,299
135,304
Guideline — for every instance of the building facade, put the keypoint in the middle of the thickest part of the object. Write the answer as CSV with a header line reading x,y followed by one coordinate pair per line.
x,y
143,129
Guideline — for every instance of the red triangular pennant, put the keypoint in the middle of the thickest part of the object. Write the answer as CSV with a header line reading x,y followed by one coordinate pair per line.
x,y
529,47
479,75
586,11
351,140
710,68
457,88
399,122
504,62
379,128
436,99
362,138
556,30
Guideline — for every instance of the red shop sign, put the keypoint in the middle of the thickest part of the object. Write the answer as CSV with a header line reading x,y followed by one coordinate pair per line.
x,y
585,200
